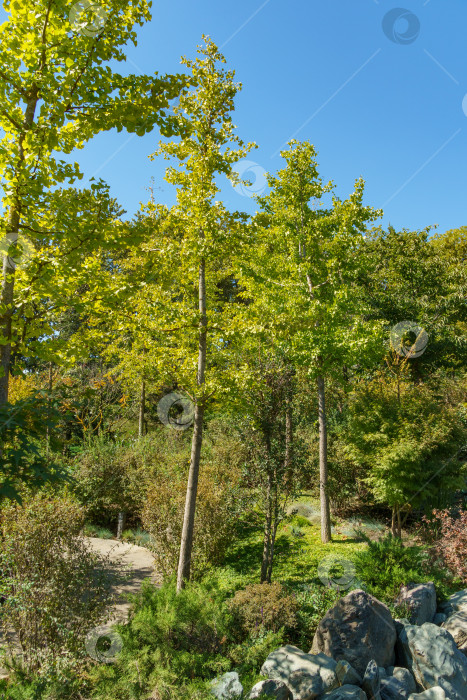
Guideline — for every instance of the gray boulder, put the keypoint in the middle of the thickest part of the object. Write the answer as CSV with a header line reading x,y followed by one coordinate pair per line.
x,y
439,618
432,656
227,687
420,598
435,693
393,689
346,674
305,686
346,692
404,676
299,671
270,689
372,681
455,609
357,629
458,601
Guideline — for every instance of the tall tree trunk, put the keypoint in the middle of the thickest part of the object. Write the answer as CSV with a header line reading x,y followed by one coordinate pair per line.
x,y
275,523
8,272
267,531
120,524
142,409
186,546
323,463
288,437
49,388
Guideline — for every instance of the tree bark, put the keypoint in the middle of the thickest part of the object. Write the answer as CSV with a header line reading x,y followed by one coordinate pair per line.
x,y
267,531
323,463
186,547
142,409
120,524
8,272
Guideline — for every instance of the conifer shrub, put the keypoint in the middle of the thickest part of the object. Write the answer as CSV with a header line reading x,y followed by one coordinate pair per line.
x,y
264,607
386,565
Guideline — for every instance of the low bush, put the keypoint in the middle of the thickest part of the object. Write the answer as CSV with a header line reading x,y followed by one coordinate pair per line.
x,y
386,565
218,506
55,589
446,532
264,607
170,640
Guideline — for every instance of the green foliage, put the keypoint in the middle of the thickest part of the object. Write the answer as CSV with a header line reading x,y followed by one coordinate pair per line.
x,y
112,476
219,505
386,565
23,430
174,639
264,607
407,438
313,601
55,588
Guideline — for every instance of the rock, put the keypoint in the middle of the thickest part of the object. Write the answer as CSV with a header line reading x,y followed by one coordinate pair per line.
x,y
439,618
455,609
357,629
432,656
305,686
420,598
404,676
435,693
393,689
372,681
346,674
227,687
346,692
457,602
270,689
456,625
288,663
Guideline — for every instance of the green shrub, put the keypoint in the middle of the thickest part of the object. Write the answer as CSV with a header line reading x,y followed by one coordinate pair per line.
x,y
218,506
103,533
264,607
313,600
170,640
55,588
386,565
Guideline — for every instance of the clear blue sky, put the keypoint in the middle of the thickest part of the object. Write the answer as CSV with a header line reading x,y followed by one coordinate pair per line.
x,y
390,107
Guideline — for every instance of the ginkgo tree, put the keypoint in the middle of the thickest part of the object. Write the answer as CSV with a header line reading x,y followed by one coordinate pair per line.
x,y
302,280
194,253
57,91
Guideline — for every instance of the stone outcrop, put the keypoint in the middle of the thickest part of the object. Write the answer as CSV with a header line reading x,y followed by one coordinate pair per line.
x,y
432,656
357,629
420,599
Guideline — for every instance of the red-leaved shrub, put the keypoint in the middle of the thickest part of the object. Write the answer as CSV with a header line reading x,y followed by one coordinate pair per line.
x,y
448,535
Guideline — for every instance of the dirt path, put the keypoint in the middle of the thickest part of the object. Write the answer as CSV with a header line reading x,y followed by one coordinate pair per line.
x,y
136,563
